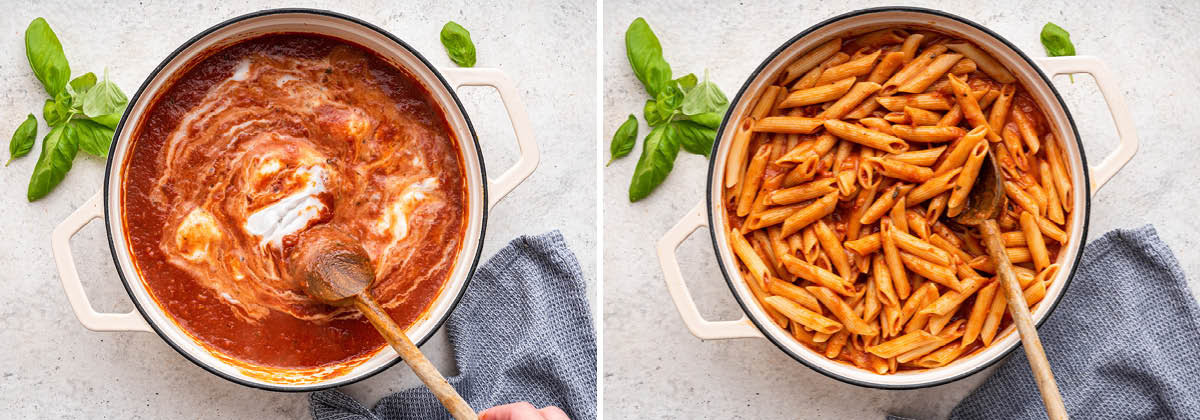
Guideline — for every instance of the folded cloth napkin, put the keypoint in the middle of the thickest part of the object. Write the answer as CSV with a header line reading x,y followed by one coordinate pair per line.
x,y
522,332
1124,343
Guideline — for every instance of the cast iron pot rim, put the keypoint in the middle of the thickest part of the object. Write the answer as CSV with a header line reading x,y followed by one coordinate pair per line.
x,y
754,75
153,74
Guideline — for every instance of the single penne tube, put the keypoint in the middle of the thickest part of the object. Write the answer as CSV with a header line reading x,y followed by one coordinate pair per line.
x,y
933,101
1018,255
754,174
737,153
1018,195
818,94
878,124
1048,274
966,179
964,66
771,216
927,133
851,99
1054,210
864,199
808,240
911,69
942,356
900,170
1025,126
897,215
856,67
920,116
779,246
936,206
960,150
866,245
985,62
949,302
812,59
800,154
917,223
1034,293
821,337
766,102
805,215
970,107
883,203
991,323
833,247
938,322
865,136
761,243
986,99
1012,147
883,281
866,174
979,312
787,125
916,246
1062,178
753,262
897,117
1012,239
886,67
946,245
802,334
865,108
802,192
902,344
910,45
951,117
1034,242
940,274
891,257
936,68
795,293
836,343
876,39
998,116
924,157
803,316
933,187
817,275
843,312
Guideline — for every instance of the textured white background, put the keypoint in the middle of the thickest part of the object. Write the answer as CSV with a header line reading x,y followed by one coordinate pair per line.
x,y
52,367
655,369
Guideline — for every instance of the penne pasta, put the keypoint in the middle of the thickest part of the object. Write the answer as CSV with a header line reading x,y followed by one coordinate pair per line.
x,y
818,94
787,125
928,133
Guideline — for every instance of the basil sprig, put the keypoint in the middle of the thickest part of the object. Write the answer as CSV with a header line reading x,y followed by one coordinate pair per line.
x,y
1057,42
681,112
81,112
459,47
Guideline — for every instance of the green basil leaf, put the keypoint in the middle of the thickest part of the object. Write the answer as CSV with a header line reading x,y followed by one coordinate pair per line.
x,y
46,56
104,98
82,83
705,97
22,139
91,137
108,120
458,44
658,158
669,99
1057,41
687,82
709,119
694,138
654,113
624,139
645,56
57,111
58,151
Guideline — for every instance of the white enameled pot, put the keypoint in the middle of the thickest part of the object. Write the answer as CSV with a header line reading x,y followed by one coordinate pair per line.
x,y
1034,75
482,192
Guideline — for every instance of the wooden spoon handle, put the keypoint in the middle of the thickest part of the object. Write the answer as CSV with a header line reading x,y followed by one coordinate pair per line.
x,y
425,370
1020,314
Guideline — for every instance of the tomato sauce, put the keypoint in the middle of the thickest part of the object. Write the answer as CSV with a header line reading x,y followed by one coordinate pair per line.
x,y
265,138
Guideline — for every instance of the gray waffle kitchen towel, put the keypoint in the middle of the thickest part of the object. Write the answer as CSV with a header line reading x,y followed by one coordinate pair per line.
x,y
523,332
1124,342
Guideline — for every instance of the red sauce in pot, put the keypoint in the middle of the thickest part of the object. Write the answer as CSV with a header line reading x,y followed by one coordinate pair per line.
x,y
263,139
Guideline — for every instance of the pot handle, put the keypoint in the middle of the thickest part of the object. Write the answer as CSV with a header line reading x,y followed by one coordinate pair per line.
x,y
700,327
1126,132
522,127
60,243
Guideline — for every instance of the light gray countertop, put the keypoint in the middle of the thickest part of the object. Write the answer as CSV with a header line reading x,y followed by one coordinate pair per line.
x,y
52,367
654,368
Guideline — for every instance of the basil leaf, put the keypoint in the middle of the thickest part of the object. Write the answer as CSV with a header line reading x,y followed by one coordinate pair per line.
x,y
645,56
58,110
1057,41
108,120
91,137
709,119
687,82
104,98
458,44
694,138
654,113
58,151
46,56
22,139
624,139
705,97
82,83
658,158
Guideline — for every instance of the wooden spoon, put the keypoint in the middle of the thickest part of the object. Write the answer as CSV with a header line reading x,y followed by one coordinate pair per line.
x,y
984,205
336,270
